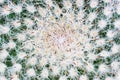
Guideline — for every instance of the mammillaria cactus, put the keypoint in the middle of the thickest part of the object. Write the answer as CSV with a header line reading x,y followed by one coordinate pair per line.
x,y
59,40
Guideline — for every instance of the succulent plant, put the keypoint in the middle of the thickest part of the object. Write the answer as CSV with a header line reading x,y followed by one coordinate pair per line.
x,y
59,40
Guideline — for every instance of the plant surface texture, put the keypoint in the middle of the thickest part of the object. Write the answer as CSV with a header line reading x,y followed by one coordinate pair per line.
x,y
59,39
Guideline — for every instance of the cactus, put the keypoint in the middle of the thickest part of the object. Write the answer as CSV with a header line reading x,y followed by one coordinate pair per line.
x,y
59,40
